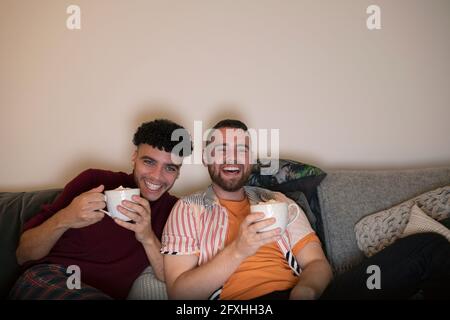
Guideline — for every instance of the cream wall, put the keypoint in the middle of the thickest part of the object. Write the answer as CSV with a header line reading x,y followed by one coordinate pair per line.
x,y
342,96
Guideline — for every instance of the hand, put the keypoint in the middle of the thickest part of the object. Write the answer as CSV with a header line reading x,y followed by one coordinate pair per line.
x,y
138,211
249,240
82,211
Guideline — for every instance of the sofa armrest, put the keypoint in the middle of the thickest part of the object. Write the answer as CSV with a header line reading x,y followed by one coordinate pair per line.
x,y
15,209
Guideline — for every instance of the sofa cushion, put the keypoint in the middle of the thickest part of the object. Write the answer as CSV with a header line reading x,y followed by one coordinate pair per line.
x,y
347,196
15,209
379,230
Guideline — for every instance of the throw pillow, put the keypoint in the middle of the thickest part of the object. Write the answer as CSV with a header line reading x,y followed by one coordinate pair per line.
x,y
291,176
419,222
381,229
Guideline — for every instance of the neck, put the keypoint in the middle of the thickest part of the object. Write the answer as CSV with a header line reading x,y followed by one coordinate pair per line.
x,y
229,195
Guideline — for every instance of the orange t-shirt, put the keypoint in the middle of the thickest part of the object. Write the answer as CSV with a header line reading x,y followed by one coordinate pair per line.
x,y
264,272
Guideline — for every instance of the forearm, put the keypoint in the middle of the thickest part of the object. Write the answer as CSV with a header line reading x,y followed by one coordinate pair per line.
x,y
200,282
36,243
152,248
313,280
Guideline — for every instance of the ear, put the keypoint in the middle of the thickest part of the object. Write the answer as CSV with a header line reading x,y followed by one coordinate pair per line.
x,y
134,157
205,157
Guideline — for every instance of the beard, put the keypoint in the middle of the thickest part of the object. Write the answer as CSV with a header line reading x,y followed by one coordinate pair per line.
x,y
229,185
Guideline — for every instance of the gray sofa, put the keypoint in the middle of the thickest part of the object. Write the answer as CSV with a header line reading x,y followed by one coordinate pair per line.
x,y
344,197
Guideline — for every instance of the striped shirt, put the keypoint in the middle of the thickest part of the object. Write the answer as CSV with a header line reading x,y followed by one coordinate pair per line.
x,y
198,224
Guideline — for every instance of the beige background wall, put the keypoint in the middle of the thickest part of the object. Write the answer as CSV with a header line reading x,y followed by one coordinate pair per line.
x,y
343,96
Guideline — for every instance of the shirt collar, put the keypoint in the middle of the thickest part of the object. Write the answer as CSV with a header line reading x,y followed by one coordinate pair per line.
x,y
254,195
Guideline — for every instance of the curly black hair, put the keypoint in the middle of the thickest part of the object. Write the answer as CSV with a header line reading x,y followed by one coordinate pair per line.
x,y
159,134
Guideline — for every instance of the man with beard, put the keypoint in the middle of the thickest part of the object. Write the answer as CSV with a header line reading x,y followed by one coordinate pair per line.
x,y
213,248
110,253
213,245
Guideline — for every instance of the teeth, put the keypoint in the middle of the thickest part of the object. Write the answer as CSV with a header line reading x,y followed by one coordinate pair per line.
x,y
153,187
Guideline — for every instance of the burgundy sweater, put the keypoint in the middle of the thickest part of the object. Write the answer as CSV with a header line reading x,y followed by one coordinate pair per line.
x,y
109,256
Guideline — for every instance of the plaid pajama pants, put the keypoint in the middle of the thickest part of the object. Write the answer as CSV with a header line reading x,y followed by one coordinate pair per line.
x,y
49,282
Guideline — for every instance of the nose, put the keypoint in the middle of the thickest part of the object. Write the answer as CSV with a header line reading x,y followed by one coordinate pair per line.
x,y
157,173
230,156
236,157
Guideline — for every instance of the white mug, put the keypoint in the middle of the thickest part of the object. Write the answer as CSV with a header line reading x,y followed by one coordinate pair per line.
x,y
114,198
278,210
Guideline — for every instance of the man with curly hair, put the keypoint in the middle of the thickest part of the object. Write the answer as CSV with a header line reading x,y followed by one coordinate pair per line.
x,y
110,253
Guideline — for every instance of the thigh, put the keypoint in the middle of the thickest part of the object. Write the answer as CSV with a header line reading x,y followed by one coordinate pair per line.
x,y
49,282
403,268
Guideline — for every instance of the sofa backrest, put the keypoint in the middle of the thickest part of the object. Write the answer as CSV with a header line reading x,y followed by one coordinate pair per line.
x,y
347,196
15,209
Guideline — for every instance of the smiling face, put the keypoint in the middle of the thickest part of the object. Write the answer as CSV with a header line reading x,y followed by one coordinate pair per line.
x,y
155,171
229,162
